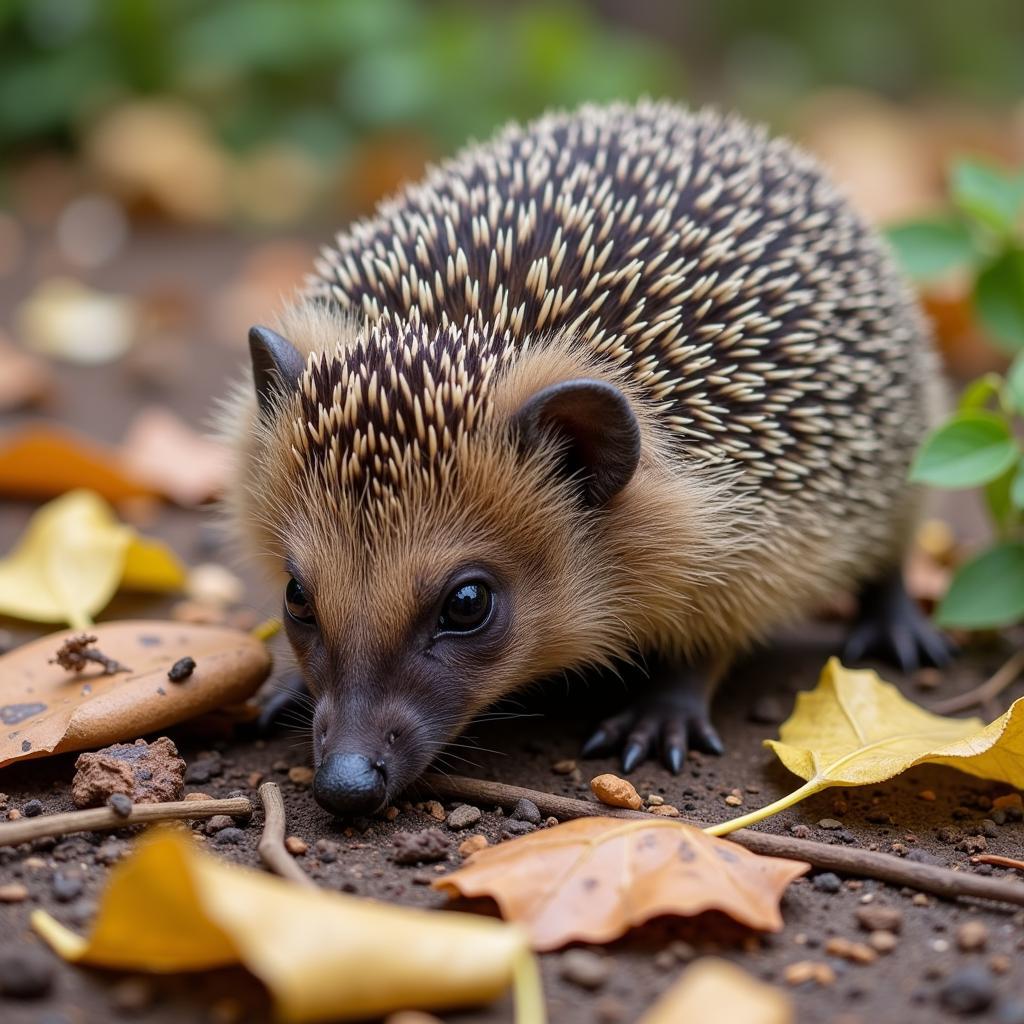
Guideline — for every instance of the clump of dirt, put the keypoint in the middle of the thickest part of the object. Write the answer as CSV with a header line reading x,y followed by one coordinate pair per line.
x,y
424,847
77,651
147,773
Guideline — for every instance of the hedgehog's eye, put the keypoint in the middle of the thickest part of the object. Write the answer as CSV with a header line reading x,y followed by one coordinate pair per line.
x,y
466,609
297,604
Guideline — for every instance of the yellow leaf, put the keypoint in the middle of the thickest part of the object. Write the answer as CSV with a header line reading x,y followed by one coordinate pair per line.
x,y
854,729
714,989
72,558
322,955
593,879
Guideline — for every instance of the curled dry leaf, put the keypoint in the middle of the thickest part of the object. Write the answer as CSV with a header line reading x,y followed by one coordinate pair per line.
x,y
73,557
854,729
172,458
44,461
24,379
46,710
713,989
160,455
593,879
322,955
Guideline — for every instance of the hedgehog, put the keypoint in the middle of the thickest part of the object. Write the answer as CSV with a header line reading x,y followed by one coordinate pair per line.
x,y
624,388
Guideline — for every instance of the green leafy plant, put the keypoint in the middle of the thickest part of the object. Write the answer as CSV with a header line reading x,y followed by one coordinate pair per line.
x,y
978,446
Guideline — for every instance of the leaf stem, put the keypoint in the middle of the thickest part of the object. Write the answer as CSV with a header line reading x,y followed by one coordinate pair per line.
x,y
529,993
723,828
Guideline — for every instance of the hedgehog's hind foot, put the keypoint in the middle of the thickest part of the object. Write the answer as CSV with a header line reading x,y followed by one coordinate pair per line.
x,y
672,716
892,627
288,699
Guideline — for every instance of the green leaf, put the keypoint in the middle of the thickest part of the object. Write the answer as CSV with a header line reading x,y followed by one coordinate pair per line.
x,y
1017,487
977,394
999,502
999,299
988,193
988,591
1015,384
971,449
927,249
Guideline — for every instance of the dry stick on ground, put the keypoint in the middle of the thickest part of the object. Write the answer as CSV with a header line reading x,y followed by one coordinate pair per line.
x,y
999,862
98,818
989,690
271,847
851,861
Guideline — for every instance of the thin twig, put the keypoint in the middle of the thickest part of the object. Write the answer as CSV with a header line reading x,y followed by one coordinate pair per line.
x,y
988,690
271,847
98,818
848,860
999,862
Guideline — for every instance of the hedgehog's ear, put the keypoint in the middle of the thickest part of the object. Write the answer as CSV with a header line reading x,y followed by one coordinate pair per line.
x,y
276,365
598,427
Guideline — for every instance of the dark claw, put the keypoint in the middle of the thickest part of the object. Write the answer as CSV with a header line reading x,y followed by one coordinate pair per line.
x,y
634,752
704,736
892,626
674,755
599,743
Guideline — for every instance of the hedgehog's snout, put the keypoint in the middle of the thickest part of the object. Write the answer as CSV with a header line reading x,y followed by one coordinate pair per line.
x,y
350,784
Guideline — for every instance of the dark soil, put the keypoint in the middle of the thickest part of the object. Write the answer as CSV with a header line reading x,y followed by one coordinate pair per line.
x,y
925,978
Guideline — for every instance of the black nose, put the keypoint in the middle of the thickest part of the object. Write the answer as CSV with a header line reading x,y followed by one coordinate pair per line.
x,y
349,784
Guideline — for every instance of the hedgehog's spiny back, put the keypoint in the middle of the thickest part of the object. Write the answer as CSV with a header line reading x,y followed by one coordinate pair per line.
x,y
715,265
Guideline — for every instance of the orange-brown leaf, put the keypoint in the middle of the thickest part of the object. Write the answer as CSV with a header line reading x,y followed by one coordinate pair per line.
x,y
593,879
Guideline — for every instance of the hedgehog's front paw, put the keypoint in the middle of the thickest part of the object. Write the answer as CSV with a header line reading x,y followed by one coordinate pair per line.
x,y
892,627
668,720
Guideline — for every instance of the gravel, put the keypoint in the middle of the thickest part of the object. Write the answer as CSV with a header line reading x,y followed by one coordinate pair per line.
x,y
827,882
423,847
26,973
585,968
969,990
464,816
526,810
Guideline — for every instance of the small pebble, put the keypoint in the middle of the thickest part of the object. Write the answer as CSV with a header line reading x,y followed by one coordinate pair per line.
x,y
471,845
435,810
733,800
181,670
855,952
827,882
829,824
585,968
972,936
878,918
32,808
927,794
111,851
464,816
13,892
968,990
654,800
300,775
120,804
67,886
566,767
295,846
26,973
218,822
327,850
229,836
666,811
808,970
132,995
919,899
616,792
526,810
882,942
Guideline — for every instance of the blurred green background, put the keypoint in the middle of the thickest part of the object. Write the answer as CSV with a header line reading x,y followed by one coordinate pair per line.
x,y
261,120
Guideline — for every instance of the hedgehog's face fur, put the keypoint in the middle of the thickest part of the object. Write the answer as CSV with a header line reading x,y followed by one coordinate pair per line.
x,y
436,515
